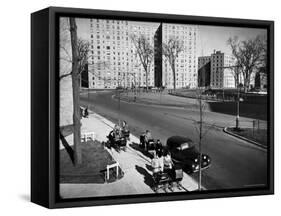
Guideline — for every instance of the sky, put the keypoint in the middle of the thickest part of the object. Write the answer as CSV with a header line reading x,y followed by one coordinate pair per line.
x,y
210,38
214,37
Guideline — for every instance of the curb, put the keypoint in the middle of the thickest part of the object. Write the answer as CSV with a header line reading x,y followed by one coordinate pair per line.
x,y
243,138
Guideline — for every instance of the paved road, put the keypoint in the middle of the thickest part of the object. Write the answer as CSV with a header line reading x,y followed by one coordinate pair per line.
x,y
235,163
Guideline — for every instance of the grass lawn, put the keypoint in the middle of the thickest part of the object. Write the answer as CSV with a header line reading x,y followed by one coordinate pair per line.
x,y
259,136
95,159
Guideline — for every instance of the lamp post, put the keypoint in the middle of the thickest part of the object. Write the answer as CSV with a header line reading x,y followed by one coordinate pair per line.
x,y
200,139
238,101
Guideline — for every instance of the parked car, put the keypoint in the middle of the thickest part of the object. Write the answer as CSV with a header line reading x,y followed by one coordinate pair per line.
x,y
184,152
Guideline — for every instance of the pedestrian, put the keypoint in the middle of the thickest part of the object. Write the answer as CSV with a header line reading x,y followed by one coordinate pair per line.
x,y
156,166
158,147
169,167
147,139
86,113
116,131
125,130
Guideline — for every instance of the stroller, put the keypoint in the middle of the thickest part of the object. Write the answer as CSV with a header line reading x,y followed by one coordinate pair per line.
x,y
168,179
118,142
149,146
126,133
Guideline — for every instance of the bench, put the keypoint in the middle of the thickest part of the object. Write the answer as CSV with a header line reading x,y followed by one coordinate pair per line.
x,y
87,136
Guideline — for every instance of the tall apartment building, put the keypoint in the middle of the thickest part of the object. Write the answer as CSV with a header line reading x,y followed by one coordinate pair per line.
x,y
110,55
215,66
186,63
113,61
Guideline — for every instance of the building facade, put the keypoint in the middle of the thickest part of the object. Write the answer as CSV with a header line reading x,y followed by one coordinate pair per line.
x,y
113,60
110,53
158,78
186,62
148,30
204,71
220,75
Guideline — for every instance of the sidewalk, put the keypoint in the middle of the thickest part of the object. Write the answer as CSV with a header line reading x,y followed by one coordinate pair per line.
x,y
137,175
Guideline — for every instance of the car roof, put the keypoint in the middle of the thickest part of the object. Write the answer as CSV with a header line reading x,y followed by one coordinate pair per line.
x,y
177,141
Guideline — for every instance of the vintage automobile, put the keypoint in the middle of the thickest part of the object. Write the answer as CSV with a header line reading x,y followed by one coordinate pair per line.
x,y
184,152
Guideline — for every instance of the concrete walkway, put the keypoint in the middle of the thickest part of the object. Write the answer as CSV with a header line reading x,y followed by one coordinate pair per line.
x,y
136,167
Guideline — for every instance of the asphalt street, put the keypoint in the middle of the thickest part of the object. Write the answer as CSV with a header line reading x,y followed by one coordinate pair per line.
x,y
235,163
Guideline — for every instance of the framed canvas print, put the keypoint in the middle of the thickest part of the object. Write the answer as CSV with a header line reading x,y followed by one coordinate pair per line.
x,y
139,107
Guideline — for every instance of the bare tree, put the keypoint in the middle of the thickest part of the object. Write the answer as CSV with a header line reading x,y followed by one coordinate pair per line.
x,y
202,129
250,56
145,52
171,51
83,48
75,74
75,52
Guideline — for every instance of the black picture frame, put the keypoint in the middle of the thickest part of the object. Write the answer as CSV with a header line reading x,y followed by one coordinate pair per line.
x,y
45,106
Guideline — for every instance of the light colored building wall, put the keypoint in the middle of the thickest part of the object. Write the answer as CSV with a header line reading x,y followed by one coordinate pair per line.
x,y
222,77
186,63
113,61
109,61
147,29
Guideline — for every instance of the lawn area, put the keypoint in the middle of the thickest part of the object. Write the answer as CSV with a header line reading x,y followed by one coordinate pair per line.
x,y
95,158
259,136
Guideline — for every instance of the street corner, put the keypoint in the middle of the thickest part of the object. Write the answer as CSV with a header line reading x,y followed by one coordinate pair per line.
x,y
248,135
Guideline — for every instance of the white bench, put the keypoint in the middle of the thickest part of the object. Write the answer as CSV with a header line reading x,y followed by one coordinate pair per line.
x,y
108,167
87,136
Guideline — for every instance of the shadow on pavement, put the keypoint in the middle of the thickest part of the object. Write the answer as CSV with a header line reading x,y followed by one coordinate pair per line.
x,y
257,111
148,180
148,167
137,147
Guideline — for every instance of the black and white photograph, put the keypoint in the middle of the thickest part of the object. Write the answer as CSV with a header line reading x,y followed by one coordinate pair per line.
x,y
160,108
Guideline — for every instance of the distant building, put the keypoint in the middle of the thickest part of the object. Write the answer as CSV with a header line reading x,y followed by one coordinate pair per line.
x,y
84,82
204,71
158,57
220,75
114,61
186,63
261,80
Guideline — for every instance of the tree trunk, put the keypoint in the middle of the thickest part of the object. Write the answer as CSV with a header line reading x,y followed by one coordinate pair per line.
x,y
245,83
146,79
174,75
75,93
